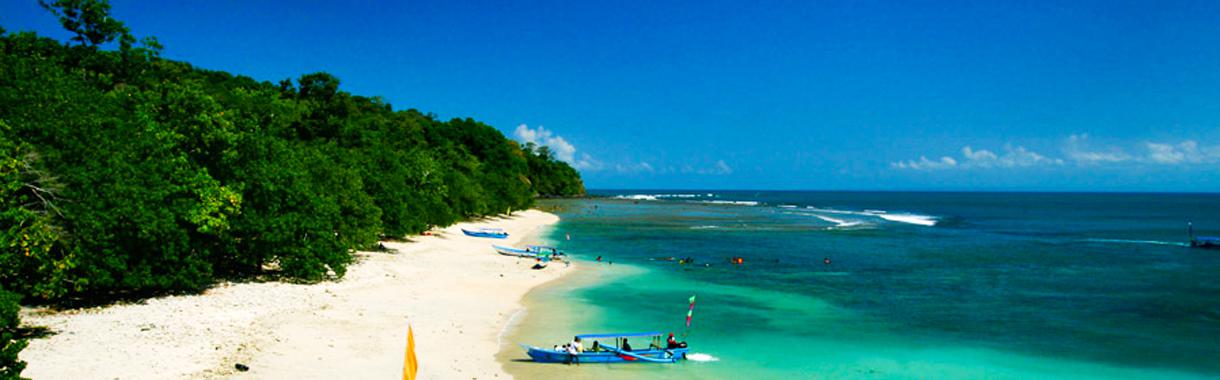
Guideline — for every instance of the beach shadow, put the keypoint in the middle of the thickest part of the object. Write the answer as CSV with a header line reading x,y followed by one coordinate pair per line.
x,y
34,332
110,297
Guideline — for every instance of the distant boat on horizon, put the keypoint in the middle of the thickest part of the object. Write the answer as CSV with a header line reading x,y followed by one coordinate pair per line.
x,y
1204,242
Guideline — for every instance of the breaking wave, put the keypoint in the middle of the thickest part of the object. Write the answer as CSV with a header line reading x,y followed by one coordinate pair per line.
x,y
738,203
1125,241
653,197
837,222
917,219
922,220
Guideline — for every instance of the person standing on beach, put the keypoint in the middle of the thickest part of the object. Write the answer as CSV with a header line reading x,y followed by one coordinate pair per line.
x,y
574,349
577,345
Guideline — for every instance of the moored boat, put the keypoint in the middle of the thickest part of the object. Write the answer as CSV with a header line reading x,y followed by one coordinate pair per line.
x,y
657,352
485,232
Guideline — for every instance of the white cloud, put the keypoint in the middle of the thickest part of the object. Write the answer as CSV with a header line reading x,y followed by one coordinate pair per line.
x,y
1185,152
638,167
924,163
720,168
981,158
564,150
1077,150
978,156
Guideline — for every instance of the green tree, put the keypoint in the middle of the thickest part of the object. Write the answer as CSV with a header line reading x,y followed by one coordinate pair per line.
x,y
127,173
89,19
10,342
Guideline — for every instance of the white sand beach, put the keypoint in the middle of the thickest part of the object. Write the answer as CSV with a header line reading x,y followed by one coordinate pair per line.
x,y
454,290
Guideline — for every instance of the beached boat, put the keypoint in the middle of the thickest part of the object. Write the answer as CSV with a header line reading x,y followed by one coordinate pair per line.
x,y
493,233
610,353
531,251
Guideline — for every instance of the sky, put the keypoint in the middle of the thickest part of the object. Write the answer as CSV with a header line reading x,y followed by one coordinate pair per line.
x,y
803,95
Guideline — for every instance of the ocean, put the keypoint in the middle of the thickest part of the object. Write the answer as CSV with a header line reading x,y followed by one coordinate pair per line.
x,y
935,285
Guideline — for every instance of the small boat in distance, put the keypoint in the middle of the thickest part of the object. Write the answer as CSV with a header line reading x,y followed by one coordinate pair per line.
x,y
608,353
1205,242
485,232
529,251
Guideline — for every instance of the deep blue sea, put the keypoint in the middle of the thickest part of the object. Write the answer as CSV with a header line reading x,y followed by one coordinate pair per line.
x,y
919,285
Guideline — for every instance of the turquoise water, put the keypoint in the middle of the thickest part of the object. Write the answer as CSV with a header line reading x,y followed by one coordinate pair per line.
x,y
920,285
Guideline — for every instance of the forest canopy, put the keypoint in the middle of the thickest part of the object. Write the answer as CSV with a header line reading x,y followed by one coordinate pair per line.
x,y
127,173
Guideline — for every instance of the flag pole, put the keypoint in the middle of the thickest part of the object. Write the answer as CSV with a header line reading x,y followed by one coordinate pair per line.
x,y
689,312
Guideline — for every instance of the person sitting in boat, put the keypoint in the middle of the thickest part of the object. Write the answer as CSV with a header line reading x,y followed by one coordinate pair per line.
x,y
596,346
626,346
674,343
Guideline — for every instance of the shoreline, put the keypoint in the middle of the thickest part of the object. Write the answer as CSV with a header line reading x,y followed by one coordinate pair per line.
x,y
549,319
457,294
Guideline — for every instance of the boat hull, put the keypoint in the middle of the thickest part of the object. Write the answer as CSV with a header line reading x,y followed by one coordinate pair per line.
x,y
1205,244
543,355
509,251
482,234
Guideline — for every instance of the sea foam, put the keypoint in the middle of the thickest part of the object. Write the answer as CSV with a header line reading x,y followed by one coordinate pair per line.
x,y
922,220
700,357
653,197
738,203
837,222
917,219
1125,241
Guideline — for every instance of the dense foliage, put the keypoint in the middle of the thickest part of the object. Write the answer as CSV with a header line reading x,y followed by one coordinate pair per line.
x,y
123,172
11,343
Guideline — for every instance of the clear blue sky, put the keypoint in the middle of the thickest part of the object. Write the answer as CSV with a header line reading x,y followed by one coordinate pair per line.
x,y
971,95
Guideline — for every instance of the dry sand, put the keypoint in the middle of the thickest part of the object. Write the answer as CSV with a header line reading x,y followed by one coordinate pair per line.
x,y
455,292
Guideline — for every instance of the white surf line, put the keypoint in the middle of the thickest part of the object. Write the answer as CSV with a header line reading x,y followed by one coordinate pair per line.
x,y
737,203
512,319
837,222
922,220
1125,241
701,357
653,197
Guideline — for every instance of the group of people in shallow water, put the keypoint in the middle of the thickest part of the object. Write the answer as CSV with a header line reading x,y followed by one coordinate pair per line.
x,y
576,347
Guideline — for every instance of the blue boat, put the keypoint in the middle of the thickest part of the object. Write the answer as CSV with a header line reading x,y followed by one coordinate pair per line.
x,y
530,251
492,233
656,352
1205,242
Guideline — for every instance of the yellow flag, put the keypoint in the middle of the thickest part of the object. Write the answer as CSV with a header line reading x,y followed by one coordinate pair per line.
x,y
409,366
